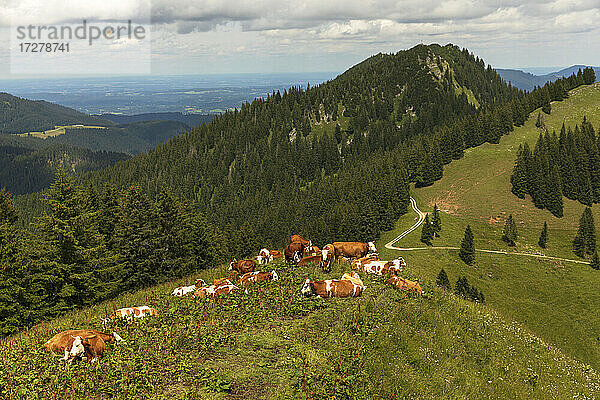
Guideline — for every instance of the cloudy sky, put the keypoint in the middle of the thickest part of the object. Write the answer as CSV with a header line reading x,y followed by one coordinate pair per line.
x,y
217,36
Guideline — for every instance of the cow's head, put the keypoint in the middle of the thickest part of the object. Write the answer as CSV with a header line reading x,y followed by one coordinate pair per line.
x,y
324,254
372,247
231,265
77,348
297,257
200,283
308,288
259,259
275,276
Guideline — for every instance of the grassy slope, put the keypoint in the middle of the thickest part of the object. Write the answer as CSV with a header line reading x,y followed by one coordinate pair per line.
x,y
558,301
273,343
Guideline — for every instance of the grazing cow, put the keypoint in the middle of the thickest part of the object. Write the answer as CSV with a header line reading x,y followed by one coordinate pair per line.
x,y
133,312
382,267
331,288
293,251
401,283
327,257
354,278
211,291
311,251
63,341
183,290
243,266
257,276
353,249
300,239
309,260
90,348
265,256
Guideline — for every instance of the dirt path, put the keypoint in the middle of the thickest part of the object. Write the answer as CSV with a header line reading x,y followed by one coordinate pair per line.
x,y
421,215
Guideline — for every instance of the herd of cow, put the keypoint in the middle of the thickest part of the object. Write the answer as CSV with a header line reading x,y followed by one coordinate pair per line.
x,y
89,344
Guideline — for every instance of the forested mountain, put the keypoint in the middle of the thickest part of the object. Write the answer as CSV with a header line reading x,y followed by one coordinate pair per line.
x,y
191,120
19,115
28,166
527,81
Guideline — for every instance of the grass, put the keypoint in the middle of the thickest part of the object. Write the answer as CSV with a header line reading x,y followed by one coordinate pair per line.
x,y
273,343
556,300
57,131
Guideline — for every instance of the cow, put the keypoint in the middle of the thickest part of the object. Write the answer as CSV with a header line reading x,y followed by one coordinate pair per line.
x,y
354,278
401,283
265,256
90,348
223,281
212,290
300,239
327,257
183,290
381,267
308,260
293,251
257,276
130,313
243,266
353,249
63,341
311,251
331,288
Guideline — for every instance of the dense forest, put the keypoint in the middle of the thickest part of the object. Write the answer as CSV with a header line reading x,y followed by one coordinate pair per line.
x,y
332,162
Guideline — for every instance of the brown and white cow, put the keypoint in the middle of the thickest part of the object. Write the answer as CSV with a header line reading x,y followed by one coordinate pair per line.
x,y
243,266
308,260
90,348
331,288
327,257
130,313
300,239
381,267
63,341
360,261
311,251
401,283
354,278
293,251
265,256
353,249
257,276
183,290
223,281
212,291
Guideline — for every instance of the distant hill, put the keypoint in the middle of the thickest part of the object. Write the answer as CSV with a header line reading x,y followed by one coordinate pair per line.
x,y
18,115
191,120
527,81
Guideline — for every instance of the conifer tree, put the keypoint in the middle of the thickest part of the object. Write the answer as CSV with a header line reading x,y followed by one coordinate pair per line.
x,y
595,263
584,242
467,247
427,231
436,221
509,233
442,280
518,178
543,240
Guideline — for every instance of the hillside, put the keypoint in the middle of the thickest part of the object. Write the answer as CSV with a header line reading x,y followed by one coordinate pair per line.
x,y
557,300
190,120
273,343
19,115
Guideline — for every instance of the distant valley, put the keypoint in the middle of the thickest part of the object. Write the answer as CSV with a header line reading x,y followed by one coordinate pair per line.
x,y
528,81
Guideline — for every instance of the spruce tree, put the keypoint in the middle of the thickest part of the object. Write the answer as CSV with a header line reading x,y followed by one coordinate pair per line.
x,y
543,240
427,231
584,242
509,233
436,221
518,178
467,247
595,263
442,280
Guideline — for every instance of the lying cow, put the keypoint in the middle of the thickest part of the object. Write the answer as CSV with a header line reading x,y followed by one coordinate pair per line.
x,y
353,249
311,251
222,281
327,257
212,290
243,266
369,257
331,288
308,260
265,256
381,267
293,251
63,341
257,276
85,348
300,239
130,313
183,290
401,283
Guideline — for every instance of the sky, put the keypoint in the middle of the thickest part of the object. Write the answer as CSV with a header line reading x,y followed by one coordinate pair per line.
x,y
240,36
